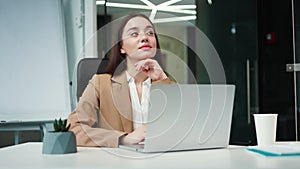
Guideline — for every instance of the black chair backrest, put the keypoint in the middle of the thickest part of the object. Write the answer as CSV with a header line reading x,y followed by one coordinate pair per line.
x,y
86,68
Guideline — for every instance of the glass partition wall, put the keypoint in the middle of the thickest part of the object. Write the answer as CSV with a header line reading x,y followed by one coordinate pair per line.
x,y
294,67
231,26
254,40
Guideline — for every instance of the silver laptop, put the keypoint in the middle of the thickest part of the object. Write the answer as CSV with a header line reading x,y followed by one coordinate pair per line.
x,y
187,117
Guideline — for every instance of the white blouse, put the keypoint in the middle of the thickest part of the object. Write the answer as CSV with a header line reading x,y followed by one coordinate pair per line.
x,y
139,110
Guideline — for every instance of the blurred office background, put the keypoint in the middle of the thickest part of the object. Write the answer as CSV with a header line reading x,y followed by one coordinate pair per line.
x,y
255,40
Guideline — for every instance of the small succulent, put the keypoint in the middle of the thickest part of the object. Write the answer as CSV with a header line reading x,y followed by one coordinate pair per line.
x,y
61,125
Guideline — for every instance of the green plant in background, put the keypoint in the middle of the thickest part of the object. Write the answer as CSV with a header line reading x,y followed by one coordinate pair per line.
x,y
61,125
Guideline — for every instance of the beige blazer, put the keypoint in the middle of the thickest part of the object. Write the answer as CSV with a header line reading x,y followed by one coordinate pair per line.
x,y
111,98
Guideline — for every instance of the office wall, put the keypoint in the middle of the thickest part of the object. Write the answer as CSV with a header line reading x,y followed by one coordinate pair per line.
x,y
80,23
74,36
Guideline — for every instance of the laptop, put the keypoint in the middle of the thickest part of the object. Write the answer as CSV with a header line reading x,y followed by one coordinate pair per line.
x,y
187,117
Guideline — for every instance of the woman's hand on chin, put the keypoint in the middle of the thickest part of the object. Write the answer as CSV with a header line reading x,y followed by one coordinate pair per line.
x,y
151,68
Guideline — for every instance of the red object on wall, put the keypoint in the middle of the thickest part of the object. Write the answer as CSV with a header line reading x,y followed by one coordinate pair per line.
x,y
270,38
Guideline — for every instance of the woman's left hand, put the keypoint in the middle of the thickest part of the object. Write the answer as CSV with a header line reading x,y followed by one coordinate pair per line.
x,y
151,68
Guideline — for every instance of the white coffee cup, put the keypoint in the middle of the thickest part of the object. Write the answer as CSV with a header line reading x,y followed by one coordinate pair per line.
x,y
265,126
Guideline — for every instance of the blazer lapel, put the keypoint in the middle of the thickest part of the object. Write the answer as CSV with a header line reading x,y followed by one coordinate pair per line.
x,y
122,100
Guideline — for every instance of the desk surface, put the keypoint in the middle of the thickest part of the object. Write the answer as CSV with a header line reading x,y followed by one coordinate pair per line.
x,y
29,155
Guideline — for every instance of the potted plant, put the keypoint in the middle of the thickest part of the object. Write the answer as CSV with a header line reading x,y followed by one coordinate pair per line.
x,y
61,140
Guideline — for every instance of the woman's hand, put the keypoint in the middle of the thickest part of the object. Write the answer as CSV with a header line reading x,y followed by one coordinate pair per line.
x,y
151,68
134,137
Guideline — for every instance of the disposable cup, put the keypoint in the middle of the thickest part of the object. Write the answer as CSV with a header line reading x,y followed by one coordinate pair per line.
x,y
265,126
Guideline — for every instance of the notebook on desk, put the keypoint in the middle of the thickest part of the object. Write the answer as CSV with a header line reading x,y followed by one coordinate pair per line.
x,y
277,149
187,117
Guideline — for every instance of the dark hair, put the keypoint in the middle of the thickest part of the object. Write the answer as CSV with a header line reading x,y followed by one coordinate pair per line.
x,y
117,61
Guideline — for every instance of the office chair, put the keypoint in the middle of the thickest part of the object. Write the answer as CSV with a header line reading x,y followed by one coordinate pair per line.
x,y
86,68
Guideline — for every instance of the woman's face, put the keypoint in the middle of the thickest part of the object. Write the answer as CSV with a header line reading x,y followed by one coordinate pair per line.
x,y
138,40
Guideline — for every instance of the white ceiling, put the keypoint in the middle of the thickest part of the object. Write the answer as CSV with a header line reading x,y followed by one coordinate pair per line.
x,y
160,11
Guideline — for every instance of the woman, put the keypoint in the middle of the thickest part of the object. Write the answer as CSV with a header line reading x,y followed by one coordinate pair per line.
x,y
121,95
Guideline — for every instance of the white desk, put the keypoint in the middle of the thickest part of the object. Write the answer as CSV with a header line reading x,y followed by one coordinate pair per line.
x,y
29,155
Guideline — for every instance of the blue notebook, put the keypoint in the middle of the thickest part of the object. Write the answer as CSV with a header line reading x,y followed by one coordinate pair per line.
x,y
276,150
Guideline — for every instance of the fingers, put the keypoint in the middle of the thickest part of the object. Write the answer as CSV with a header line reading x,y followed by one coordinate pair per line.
x,y
151,68
146,65
136,136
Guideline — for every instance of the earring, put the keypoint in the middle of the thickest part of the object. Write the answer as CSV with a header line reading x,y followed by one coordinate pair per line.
x,y
122,51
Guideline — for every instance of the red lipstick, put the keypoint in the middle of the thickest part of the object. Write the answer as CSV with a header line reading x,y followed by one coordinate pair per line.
x,y
145,47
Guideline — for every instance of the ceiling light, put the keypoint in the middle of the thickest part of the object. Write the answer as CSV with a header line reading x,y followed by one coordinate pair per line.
x,y
182,7
100,2
175,19
121,5
165,7
151,5
169,2
209,2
